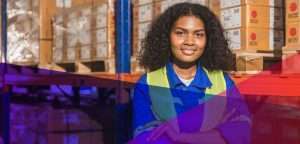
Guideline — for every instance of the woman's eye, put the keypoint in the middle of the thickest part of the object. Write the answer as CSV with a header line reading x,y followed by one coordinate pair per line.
x,y
200,34
179,33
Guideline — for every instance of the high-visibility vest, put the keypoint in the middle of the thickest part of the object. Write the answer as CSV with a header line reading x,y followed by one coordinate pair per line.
x,y
163,104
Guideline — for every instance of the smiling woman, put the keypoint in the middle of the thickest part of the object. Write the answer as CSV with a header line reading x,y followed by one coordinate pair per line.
x,y
187,97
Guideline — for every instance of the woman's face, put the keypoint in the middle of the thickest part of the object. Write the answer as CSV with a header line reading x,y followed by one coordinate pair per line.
x,y
188,39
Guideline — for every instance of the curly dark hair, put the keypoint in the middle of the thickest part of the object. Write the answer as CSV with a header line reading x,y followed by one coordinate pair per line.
x,y
156,47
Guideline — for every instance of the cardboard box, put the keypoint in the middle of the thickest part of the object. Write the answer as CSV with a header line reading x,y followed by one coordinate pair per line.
x,y
101,35
234,3
252,16
292,35
249,63
145,12
85,52
71,54
58,41
143,30
57,55
101,12
101,50
292,10
254,39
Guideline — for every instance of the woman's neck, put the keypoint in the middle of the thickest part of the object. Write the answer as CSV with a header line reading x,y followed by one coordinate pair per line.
x,y
185,71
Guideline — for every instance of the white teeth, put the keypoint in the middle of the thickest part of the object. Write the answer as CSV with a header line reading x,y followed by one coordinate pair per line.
x,y
187,51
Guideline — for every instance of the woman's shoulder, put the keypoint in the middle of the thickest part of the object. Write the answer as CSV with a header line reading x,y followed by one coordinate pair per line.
x,y
141,82
142,79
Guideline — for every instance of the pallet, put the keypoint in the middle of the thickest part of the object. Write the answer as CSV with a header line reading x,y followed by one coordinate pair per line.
x,y
85,67
64,66
265,53
291,48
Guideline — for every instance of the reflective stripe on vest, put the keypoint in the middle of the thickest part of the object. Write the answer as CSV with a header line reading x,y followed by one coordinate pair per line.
x,y
162,99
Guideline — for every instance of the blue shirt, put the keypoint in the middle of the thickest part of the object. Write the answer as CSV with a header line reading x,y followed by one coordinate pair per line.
x,y
186,99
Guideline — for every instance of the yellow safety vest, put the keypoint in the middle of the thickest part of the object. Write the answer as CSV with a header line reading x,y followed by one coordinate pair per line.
x,y
162,99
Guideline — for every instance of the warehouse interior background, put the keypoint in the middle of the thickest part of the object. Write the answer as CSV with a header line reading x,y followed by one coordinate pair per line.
x,y
68,66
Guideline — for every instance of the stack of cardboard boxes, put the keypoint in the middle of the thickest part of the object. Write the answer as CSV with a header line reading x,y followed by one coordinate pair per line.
x,y
23,32
85,34
292,25
252,26
290,53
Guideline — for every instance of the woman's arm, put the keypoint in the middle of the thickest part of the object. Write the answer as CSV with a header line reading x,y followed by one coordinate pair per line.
x,y
236,125
208,137
143,117
233,129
